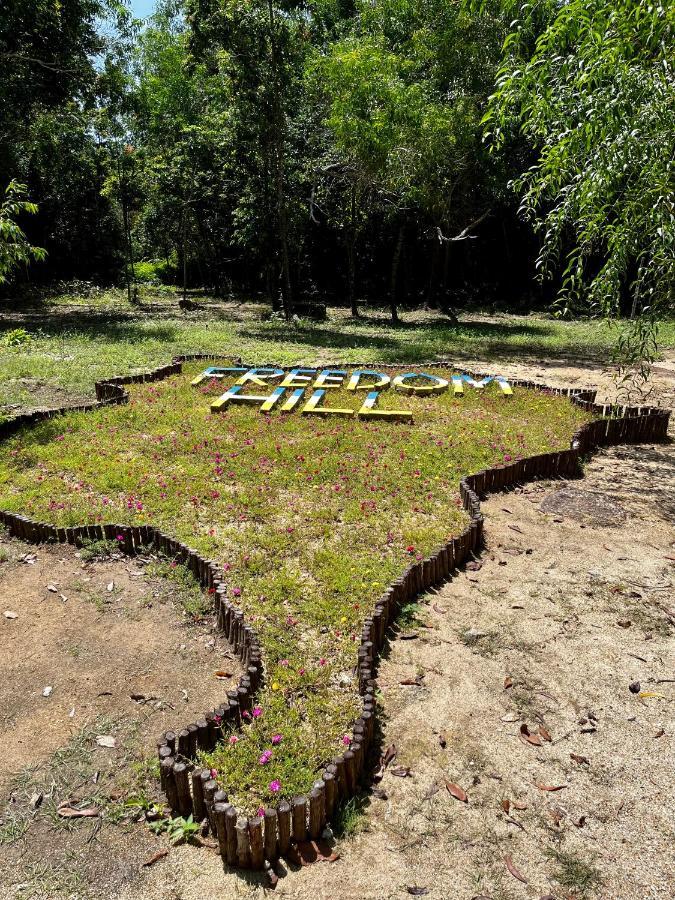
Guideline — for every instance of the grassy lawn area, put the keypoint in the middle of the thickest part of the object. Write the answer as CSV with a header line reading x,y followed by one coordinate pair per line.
x,y
311,519
77,340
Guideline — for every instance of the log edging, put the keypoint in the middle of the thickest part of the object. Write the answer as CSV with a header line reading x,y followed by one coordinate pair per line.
x,y
255,842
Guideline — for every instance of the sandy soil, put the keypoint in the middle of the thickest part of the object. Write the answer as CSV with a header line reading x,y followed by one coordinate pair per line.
x,y
95,634
570,605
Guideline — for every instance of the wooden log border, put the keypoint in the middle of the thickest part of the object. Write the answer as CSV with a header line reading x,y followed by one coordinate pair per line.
x,y
257,841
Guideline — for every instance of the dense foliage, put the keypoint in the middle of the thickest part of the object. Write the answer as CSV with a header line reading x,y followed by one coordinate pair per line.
x,y
337,148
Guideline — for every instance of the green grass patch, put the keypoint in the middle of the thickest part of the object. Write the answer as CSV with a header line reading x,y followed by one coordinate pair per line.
x,y
575,873
310,519
83,338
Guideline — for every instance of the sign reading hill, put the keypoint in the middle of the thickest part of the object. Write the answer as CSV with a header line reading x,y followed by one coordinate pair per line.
x,y
306,389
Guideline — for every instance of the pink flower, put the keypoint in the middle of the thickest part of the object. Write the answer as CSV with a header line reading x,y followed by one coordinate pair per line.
x,y
283,662
234,739
119,537
346,740
274,786
265,757
257,712
301,671
322,662
236,592
214,774
276,739
261,812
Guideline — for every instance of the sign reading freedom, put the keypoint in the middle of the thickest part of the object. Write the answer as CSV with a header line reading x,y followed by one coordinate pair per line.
x,y
289,393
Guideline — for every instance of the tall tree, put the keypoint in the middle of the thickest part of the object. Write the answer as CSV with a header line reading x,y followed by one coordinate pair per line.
x,y
590,83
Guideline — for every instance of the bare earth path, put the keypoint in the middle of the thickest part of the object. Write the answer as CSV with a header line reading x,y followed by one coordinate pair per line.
x,y
570,605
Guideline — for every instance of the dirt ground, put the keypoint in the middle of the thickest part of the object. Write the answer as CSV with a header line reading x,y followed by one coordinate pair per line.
x,y
571,604
91,653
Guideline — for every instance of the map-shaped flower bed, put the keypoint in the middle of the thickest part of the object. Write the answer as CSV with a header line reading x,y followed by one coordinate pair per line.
x,y
308,518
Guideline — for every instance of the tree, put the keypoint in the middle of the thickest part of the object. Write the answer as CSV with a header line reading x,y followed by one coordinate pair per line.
x,y
590,83
15,249
405,94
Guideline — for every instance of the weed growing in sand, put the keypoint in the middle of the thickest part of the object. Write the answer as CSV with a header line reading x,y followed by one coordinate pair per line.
x,y
575,873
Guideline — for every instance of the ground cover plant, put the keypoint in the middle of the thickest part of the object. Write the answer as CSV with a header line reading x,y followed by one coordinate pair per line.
x,y
310,518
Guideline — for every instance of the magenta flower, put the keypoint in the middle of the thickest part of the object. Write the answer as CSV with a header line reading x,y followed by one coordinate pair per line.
x,y
236,592
214,774
261,812
234,739
119,537
276,739
257,712
265,757
346,740
274,786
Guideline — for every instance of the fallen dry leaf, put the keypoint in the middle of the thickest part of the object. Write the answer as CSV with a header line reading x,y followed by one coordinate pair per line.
x,y
508,682
512,869
442,740
516,528
557,815
433,789
400,771
549,787
582,760
580,822
417,681
456,791
155,858
527,737
221,673
506,805
659,733
545,733
66,811
417,891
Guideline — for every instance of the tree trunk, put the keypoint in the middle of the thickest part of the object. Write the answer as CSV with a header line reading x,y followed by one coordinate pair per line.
x,y
395,265
278,159
183,250
351,257
126,218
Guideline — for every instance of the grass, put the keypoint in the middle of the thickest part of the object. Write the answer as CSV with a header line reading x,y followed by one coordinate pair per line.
x,y
76,340
574,873
310,519
182,586
351,818
69,767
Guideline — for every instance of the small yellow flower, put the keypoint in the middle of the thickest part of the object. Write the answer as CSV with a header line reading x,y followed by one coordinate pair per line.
x,y
343,619
275,685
